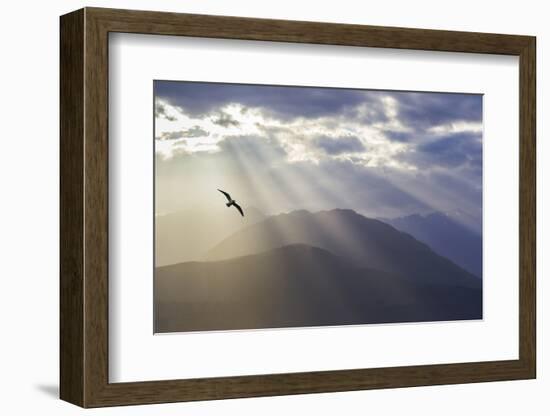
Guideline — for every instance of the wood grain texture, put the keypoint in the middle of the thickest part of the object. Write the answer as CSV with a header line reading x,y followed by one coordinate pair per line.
x,y
71,213
96,220
527,207
162,23
84,207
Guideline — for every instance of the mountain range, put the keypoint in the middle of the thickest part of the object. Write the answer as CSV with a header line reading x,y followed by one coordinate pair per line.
x,y
362,241
298,286
310,269
446,236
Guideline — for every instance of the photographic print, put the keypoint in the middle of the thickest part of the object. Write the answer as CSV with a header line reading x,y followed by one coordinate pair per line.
x,y
294,206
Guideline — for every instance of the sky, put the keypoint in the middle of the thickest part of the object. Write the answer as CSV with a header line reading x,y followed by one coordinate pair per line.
x,y
283,148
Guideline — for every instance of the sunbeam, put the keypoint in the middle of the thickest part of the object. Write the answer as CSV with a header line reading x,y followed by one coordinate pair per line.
x,y
320,173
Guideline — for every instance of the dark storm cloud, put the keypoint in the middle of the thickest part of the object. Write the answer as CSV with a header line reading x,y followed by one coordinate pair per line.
x,y
424,110
198,98
400,136
450,151
339,145
417,110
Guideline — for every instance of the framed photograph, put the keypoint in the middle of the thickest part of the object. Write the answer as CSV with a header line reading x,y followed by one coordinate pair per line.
x,y
255,207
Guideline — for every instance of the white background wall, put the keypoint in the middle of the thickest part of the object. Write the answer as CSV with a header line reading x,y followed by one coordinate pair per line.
x,y
29,224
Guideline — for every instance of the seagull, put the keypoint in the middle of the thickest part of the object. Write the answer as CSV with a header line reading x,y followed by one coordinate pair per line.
x,y
232,202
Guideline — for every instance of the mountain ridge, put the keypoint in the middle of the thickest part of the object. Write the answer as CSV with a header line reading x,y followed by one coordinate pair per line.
x,y
298,285
446,236
364,241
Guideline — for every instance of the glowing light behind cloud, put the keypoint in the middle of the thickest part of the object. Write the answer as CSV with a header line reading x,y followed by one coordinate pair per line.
x,y
173,134
381,154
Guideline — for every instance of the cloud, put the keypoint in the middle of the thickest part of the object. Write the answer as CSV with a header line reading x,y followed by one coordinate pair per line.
x,y
200,99
449,151
400,136
424,110
160,112
256,169
225,120
381,153
303,139
339,145
194,131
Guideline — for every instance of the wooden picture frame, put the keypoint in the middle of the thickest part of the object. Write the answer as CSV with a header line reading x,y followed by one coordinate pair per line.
x,y
84,207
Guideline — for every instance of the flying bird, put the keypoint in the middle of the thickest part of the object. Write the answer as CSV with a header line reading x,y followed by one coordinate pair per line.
x,y
232,202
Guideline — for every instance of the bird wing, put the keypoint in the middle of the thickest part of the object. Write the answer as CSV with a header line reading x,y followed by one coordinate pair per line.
x,y
226,195
239,208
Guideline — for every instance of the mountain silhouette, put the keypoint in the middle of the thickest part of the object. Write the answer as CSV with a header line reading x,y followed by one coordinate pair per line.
x,y
362,241
446,236
299,285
